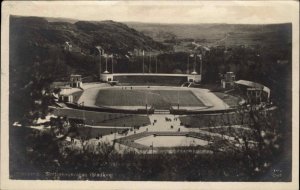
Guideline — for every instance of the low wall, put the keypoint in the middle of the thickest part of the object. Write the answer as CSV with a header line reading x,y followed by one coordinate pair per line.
x,y
110,110
187,112
144,111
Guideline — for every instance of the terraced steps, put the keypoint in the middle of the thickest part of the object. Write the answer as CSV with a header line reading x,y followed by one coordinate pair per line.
x,y
161,111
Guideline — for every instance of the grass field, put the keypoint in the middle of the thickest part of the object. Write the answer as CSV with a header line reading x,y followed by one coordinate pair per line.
x,y
89,132
105,119
212,120
233,132
161,99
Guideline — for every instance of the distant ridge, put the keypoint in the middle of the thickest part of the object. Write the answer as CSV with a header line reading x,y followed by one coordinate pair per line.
x,y
113,36
242,33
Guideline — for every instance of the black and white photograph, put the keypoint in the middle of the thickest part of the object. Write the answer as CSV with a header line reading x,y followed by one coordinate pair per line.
x,y
150,91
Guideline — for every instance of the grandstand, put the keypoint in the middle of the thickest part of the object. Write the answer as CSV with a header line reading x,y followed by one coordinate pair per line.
x,y
151,79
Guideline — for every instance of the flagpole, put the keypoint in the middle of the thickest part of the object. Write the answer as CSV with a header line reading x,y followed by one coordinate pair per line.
x,y
156,63
112,63
200,64
106,62
100,54
143,62
188,65
177,99
195,63
150,63
100,69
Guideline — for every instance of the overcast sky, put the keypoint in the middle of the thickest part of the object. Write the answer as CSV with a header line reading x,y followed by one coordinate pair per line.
x,y
163,11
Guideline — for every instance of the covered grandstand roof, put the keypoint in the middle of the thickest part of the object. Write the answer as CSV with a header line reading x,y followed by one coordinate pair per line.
x,y
254,85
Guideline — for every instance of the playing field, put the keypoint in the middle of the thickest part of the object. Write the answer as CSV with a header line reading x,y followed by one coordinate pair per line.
x,y
160,99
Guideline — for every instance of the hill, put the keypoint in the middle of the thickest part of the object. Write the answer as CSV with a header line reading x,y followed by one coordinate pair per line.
x,y
112,36
38,56
211,34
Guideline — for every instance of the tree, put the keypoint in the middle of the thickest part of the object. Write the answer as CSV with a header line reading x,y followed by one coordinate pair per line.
x,y
261,144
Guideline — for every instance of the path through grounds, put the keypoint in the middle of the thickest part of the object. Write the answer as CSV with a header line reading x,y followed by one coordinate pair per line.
x,y
164,122
159,122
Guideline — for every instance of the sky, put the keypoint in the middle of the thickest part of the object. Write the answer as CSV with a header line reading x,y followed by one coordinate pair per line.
x,y
189,12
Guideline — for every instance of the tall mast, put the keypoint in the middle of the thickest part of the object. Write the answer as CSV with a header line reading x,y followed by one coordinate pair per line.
x,y
143,61
188,65
200,57
112,63
100,69
150,63
106,63
100,54
156,64
195,63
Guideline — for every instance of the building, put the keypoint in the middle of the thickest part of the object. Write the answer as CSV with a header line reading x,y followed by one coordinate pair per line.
x,y
67,89
228,80
65,95
254,93
68,46
76,81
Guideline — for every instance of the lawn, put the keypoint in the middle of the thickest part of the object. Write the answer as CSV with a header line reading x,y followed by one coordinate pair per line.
x,y
105,119
89,132
161,99
212,120
233,132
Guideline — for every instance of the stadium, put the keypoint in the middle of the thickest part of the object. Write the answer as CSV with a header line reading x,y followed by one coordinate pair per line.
x,y
147,92
153,112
